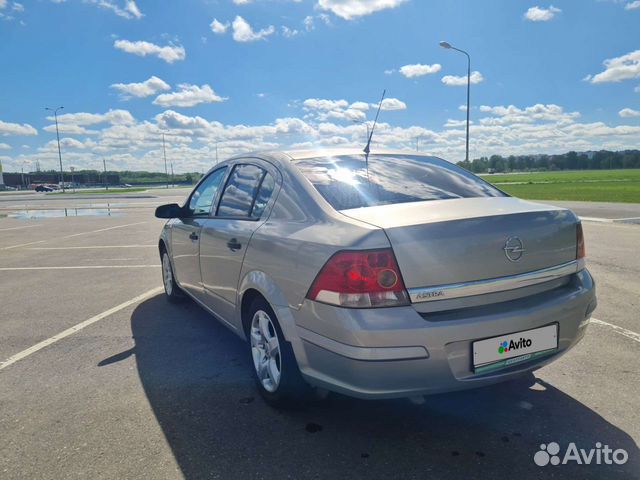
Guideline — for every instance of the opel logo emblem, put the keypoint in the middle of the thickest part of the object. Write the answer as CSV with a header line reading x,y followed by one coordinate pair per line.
x,y
513,249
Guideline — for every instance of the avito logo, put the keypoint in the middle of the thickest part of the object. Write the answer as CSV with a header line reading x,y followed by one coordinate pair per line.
x,y
505,346
549,453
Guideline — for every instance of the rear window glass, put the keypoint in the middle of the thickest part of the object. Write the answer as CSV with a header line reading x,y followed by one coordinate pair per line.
x,y
343,181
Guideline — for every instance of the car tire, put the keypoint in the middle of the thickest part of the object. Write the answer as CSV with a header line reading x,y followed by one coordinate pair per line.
x,y
173,292
276,371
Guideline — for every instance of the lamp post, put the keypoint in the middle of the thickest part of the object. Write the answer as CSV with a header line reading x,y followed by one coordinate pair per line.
x,y
22,185
449,46
104,175
164,150
55,116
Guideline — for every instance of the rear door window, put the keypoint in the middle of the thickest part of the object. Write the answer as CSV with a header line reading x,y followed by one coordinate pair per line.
x,y
240,192
264,194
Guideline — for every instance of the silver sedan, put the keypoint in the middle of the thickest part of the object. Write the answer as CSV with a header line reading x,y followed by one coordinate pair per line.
x,y
388,275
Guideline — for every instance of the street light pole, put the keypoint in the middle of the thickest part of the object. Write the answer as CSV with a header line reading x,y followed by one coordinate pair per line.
x,y
164,149
449,46
104,175
55,116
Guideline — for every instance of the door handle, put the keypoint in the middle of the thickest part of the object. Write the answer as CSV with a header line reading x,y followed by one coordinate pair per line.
x,y
234,245
193,236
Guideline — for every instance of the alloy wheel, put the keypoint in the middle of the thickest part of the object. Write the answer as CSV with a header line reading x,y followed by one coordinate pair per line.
x,y
265,350
167,274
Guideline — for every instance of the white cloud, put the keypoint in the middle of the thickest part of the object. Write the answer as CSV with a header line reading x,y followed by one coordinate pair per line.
x,y
219,27
308,23
5,146
132,8
323,104
617,69
455,81
150,86
127,9
70,129
418,69
628,112
7,128
456,123
188,96
168,53
632,5
3,4
539,14
350,9
242,31
535,113
359,106
242,2
289,32
115,117
17,7
391,104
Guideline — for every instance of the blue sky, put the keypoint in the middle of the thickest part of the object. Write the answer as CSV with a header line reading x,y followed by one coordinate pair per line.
x,y
254,74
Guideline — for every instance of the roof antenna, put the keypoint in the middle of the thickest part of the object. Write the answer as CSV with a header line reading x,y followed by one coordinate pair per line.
x,y
367,148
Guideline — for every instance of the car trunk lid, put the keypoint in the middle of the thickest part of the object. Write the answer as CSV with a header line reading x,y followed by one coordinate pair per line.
x,y
454,241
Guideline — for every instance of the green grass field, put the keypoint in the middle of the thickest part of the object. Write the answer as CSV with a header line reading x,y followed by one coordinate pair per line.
x,y
583,185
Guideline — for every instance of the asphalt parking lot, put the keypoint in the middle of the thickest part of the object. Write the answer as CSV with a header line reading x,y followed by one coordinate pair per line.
x,y
100,377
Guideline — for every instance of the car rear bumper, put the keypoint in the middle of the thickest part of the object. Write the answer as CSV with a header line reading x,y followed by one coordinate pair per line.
x,y
397,352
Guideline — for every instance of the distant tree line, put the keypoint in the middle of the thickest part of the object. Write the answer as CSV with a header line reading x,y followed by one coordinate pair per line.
x,y
600,160
130,177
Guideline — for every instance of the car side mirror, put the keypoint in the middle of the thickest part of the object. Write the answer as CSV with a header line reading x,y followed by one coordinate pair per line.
x,y
170,210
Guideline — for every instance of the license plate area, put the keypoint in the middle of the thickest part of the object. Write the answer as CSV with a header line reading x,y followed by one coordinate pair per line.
x,y
512,348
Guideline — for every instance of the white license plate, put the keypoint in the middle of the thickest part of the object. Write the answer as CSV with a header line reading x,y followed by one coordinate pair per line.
x,y
514,345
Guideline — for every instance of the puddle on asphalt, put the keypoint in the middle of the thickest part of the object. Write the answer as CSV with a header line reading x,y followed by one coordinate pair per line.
x,y
64,212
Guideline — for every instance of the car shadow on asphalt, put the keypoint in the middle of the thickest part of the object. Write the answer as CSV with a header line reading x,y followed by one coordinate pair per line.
x,y
198,380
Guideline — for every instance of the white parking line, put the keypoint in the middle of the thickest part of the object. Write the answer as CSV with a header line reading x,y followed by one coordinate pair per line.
x,y
74,267
72,235
609,220
619,330
596,219
22,245
18,228
98,231
76,328
91,247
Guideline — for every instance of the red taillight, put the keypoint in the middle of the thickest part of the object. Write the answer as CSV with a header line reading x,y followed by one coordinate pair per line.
x,y
360,279
580,250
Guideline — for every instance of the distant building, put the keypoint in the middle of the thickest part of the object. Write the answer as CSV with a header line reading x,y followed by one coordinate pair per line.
x,y
2,187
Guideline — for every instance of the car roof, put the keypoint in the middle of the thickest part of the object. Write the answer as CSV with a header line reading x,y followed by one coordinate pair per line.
x,y
286,156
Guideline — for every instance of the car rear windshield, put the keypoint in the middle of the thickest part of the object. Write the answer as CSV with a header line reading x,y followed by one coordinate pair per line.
x,y
345,183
